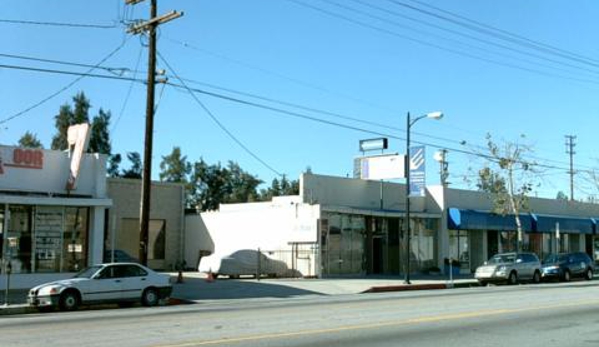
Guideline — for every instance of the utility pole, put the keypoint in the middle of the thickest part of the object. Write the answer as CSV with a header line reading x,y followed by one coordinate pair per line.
x,y
570,150
148,27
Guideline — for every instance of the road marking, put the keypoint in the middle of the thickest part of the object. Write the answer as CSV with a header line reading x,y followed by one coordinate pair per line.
x,y
409,321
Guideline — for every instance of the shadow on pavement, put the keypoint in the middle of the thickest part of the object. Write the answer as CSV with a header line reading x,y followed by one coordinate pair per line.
x,y
197,289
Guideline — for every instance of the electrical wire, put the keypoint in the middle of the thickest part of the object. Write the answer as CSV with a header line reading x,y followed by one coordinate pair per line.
x,y
116,70
59,24
306,117
126,101
502,34
69,85
215,119
443,48
459,33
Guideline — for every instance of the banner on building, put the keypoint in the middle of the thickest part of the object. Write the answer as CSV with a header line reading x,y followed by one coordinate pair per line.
x,y
417,171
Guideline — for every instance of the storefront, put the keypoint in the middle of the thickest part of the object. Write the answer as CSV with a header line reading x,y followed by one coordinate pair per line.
x,y
352,235
46,230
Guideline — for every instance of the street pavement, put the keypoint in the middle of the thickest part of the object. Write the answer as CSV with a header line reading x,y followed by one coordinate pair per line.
x,y
198,288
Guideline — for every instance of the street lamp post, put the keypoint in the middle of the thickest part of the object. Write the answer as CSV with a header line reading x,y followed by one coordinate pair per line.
x,y
410,122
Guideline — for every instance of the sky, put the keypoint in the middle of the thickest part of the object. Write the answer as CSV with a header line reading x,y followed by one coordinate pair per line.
x,y
296,84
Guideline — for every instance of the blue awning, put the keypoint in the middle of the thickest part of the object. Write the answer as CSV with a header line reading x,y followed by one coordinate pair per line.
x,y
567,225
458,219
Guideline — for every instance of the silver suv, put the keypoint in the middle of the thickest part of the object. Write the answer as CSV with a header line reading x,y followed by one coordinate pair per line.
x,y
511,268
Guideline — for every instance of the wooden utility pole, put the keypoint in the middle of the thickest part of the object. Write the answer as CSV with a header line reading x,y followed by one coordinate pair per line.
x,y
570,150
150,28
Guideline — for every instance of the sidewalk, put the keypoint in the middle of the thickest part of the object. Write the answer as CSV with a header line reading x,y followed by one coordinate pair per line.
x,y
197,288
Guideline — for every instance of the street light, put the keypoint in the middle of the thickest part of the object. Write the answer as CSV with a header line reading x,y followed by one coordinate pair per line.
x,y
433,115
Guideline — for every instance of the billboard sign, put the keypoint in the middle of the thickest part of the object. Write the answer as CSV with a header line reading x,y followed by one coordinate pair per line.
x,y
417,171
380,167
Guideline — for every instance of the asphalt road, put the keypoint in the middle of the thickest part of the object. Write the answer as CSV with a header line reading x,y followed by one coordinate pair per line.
x,y
527,315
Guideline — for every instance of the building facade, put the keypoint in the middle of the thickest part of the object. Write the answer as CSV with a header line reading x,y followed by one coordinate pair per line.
x,y
351,227
166,236
47,231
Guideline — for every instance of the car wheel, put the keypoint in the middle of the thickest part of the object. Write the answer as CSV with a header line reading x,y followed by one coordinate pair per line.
x,y
513,278
536,278
482,283
566,275
69,300
150,297
589,274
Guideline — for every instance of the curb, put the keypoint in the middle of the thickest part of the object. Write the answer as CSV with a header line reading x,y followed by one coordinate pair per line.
x,y
408,287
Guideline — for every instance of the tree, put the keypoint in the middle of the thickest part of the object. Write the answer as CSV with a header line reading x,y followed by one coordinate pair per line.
x,y
62,121
99,141
113,165
509,178
280,188
174,167
30,140
136,166
243,186
561,196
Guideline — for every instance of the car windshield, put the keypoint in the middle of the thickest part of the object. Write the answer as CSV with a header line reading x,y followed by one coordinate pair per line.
x,y
502,259
555,258
88,272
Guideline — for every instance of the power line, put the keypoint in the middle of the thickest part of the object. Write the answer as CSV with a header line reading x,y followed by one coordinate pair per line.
x,y
59,24
115,70
304,116
215,119
114,126
69,85
459,33
439,47
509,36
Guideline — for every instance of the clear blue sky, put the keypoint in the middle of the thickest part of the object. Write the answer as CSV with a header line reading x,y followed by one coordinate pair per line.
x,y
372,61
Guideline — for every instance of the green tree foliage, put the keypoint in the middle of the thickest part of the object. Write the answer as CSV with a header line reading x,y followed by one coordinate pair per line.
x,y
114,161
561,196
135,170
30,140
99,141
509,178
62,122
79,113
174,167
280,188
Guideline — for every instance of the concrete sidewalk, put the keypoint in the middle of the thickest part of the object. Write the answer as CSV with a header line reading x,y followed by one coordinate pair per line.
x,y
197,288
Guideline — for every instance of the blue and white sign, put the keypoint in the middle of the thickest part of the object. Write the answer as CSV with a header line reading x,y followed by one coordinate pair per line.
x,y
417,171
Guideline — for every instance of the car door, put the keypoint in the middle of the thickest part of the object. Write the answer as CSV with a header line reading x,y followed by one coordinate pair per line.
x,y
104,286
525,266
134,281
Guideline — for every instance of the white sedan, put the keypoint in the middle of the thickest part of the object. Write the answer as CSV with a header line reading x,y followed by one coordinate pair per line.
x,y
103,283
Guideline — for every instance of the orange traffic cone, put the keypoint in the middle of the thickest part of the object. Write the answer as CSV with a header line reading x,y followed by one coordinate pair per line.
x,y
210,277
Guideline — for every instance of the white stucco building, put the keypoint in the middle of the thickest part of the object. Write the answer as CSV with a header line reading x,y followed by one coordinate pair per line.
x,y
344,226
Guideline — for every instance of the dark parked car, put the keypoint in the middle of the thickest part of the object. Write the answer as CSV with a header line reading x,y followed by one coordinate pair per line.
x,y
564,266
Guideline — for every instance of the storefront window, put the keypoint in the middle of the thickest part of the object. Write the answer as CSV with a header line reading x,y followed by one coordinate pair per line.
x,y
75,238
18,239
423,244
343,251
46,239
459,247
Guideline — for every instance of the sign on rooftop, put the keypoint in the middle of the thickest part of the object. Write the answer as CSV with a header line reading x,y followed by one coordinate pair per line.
x,y
380,167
